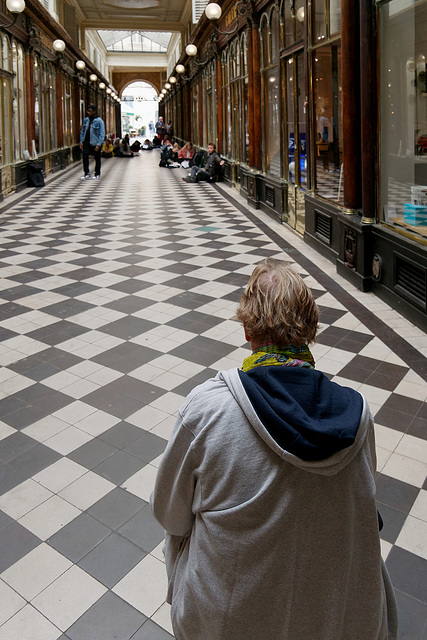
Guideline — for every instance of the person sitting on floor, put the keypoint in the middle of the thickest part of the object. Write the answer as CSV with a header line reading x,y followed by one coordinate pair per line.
x,y
147,145
186,154
123,150
166,152
107,149
211,170
135,147
156,142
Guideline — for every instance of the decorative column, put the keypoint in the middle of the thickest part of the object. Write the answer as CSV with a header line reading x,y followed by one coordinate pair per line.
x,y
256,142
368,110
59,109
219,107
350,74
250,106
29,82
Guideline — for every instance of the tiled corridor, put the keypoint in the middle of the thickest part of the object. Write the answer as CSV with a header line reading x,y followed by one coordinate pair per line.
x,y
116,299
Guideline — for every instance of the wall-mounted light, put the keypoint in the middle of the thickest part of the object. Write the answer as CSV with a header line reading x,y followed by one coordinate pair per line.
x,y
172,79
191,50
180,68
93,77
168,85
80,65
213,11
15,7
58,45
300,14
102,85
109,90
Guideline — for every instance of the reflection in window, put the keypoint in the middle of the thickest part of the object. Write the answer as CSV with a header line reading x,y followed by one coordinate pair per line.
x,y
403,115
328,114
6,141
270,97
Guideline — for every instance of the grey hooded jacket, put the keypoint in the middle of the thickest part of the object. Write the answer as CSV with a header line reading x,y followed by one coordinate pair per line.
x,y
262,543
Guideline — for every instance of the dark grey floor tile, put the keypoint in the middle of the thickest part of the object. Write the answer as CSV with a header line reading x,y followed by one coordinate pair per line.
x,y
116,508
112,559
114,403
10,404
79,537
393,522
151,631
41,372
110,618
408,573
189,300
129,304
68,308
15,445
143,530
393,419
187,386
418,428
129,327
5,520
147,447
126,357
15,542
25,416
396,493
33,461
92,453
412,617
119,467
121,435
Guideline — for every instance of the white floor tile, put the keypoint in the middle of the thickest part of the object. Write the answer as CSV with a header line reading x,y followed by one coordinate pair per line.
x,y
413,537
141,483
406,469
36,571
29,624
49,517
66,599
11,602
145,586
23,498
87,490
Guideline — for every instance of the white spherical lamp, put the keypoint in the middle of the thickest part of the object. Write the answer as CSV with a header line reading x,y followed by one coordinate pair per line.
x,y
172,79
213,11
93,77
168,86
15,6
191,50
180,68
102,85
300,14
58,45
80,65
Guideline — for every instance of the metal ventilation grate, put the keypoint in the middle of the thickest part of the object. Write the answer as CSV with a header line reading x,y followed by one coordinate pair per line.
x,y
270,196
411,281
323,226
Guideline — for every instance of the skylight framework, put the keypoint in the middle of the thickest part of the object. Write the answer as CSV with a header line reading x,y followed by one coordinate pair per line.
x,y
136,41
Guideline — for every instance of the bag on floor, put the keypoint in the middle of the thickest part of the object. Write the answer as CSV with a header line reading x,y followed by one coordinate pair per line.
x,y
35,175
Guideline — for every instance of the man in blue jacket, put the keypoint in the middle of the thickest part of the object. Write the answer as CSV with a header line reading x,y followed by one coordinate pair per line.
x,y
91,140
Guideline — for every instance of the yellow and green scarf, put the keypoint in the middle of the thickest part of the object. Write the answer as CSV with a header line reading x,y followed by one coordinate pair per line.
x,y
289,356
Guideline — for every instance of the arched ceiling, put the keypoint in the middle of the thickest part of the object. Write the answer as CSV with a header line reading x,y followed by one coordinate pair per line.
x,y
145,15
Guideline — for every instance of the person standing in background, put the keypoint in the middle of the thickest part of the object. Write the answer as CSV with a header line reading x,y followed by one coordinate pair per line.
x,y
91,139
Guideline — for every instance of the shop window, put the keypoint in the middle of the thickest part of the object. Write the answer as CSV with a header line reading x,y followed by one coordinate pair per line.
x,y
292,22
209,96
328,118
270,94
195,112
67,111
403,115
293,71
244,95
6,131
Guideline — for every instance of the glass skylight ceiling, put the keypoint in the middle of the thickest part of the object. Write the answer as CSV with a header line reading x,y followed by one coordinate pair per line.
x,y
137,41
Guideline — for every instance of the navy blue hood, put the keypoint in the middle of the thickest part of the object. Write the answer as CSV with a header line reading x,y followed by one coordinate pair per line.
x,y
303,411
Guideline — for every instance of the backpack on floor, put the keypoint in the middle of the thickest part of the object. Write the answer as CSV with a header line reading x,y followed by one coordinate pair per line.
x,y
35,175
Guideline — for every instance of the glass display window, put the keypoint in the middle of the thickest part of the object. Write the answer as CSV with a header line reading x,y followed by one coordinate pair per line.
x,y
329,180
403,115
270,94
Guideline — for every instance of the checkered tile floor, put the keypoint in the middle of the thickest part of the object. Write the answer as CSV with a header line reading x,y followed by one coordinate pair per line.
x,y
116,299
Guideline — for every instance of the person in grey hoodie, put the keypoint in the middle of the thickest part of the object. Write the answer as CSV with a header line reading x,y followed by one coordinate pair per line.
x,y
266,491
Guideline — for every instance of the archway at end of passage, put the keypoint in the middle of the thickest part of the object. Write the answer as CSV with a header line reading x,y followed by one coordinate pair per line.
x,y
139,109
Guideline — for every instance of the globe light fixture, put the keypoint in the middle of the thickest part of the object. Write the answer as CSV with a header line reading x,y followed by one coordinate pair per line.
x,y
80,65
109,90
180,68
168,86
93,77
172,79
213,11
102,85
15,6
300,14
58,45
191,50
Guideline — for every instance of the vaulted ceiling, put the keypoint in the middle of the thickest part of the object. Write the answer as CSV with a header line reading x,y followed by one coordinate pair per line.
x,y
144,15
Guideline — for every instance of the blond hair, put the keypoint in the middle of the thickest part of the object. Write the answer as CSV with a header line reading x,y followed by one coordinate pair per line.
x,y
277,306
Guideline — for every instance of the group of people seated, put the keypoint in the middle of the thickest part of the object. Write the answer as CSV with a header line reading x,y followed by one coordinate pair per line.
x,y
121,148
202,168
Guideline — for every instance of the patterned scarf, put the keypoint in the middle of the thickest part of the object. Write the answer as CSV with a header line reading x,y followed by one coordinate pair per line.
x,y
289,356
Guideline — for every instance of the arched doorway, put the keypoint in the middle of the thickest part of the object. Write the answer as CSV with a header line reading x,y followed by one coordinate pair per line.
x,y
139,109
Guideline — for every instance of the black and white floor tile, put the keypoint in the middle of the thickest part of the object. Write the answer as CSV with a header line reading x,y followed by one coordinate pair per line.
x,y
116,299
